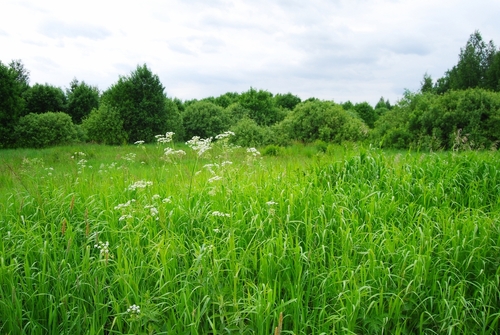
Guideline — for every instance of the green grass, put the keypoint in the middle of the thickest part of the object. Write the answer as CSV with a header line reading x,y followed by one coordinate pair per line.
x,y
351,241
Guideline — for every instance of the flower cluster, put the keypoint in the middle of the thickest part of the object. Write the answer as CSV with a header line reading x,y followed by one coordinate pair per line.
x,y
103,248
224,135
220,214
153,210
129,157
127,204
139,184
254,152
139,142
134,310
167,138
200,145
171,152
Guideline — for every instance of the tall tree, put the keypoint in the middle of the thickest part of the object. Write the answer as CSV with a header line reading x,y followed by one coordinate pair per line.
x,y
140,101
11,105
22,74
261,106
287,101
426,85
471,70
82,98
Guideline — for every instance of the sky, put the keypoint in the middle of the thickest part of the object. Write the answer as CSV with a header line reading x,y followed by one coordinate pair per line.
x,y
357,50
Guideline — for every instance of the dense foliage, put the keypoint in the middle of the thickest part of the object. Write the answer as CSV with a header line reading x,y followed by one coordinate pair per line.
x,y
46,129
458,111
140,101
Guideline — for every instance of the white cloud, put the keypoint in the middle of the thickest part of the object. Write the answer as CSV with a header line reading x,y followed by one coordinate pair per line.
x,y
342,50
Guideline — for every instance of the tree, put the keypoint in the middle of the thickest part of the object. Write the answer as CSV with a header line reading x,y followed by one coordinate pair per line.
x,y
366,112
22,75
42,98
471,70
287,101
11,105
426,85
82,98
204,119
261,107
174,119
140,101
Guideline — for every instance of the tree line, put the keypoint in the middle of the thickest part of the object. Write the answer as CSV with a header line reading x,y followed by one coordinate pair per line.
x,y
459,110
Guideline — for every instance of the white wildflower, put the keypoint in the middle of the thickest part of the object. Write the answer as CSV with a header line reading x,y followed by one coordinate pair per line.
x,y
254,152
139,184
200,145
214,178
220,214
167,200
224,135
139,142
134,310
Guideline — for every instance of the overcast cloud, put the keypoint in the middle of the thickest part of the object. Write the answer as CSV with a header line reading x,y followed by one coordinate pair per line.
x,y
340,50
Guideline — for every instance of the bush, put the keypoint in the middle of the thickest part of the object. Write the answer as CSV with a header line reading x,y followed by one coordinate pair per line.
x,y
46,129
204,119
105,126
323,120
248,134
272,150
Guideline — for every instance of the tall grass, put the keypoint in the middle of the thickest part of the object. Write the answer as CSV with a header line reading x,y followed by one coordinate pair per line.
x,y
355,241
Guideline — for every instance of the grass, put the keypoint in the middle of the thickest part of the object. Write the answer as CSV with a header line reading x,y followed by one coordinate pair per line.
x,y
351,241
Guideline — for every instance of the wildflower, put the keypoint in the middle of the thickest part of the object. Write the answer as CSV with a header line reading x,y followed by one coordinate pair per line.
x,y
254,152
172,152
152,209
220,214
139,142
270,203
199,144
155,197
162,139
120,206
103,247
226,163
125,217
134,310
139,184
224,135
167,200
214,178
129,157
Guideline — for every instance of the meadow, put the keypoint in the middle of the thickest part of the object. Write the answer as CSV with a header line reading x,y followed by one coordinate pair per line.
x,y
205,238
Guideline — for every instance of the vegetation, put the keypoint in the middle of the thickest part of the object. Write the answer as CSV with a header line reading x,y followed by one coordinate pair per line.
x,y
203,238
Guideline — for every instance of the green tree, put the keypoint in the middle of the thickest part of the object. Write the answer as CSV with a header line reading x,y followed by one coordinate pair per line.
x,y
471,70
42,98
140,101
261,107
426,85
82,99
226,99
22,74
204,119
366,112
493,73
287,101
174,119
11,105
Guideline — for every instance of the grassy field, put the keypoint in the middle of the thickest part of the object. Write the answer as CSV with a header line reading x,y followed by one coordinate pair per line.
x,y
216,240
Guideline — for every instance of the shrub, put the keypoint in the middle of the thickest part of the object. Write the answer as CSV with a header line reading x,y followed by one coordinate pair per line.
x,y
46,129
272,150
104,125
248,134
204,119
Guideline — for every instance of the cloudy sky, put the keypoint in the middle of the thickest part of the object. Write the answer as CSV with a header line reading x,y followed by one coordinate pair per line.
x,y
339,50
